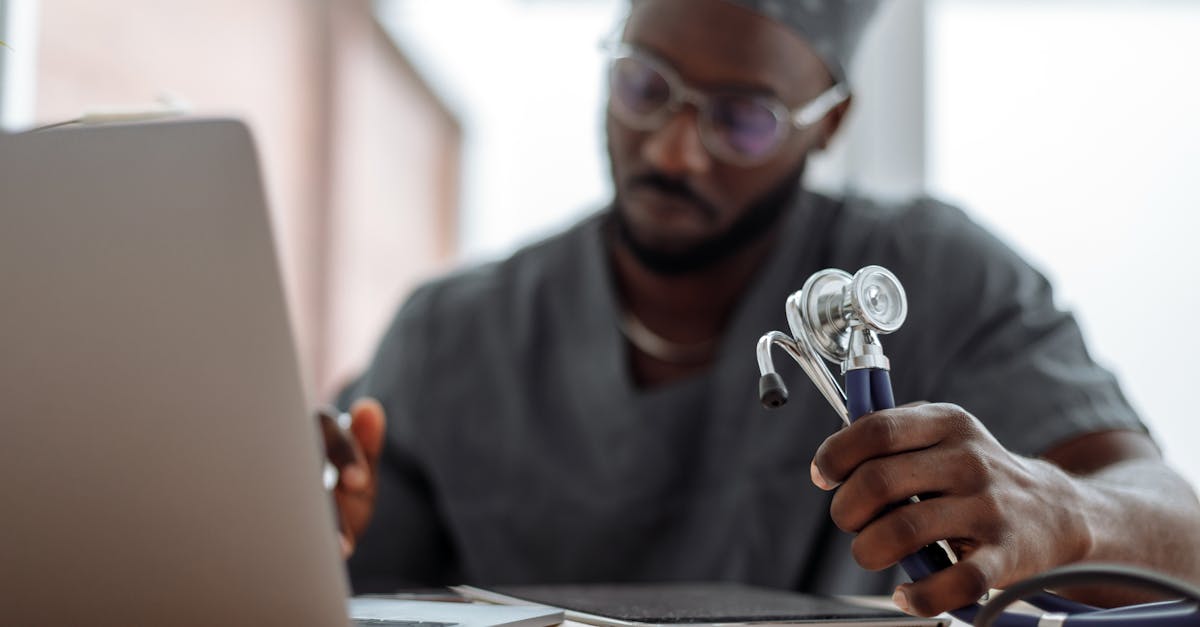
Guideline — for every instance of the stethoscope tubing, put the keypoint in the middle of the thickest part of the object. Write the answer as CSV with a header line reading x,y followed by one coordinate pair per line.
x,y
869,390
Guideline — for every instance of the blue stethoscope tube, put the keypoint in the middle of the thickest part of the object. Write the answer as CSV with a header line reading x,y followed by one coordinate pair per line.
x,y
869,390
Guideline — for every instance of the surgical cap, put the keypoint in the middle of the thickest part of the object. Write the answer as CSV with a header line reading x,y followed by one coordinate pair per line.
x,y
832,27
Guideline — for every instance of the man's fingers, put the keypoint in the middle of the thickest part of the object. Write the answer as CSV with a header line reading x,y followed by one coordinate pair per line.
x,y
880,483
366,427
367,424
355,452
907,528
884,433
958,586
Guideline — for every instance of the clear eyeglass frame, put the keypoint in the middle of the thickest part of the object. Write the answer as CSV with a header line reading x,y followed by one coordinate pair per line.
x,y
681,94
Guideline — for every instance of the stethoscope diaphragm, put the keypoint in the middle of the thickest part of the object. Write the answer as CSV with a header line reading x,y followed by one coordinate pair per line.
x,y
878,299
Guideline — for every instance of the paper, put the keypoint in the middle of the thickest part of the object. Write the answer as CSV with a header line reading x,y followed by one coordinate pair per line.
x,y
462,614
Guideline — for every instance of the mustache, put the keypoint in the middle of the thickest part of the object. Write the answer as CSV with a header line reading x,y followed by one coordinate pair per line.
x,y
677,187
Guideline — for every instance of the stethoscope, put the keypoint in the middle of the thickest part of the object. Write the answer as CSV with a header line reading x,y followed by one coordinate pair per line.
x,y
839,318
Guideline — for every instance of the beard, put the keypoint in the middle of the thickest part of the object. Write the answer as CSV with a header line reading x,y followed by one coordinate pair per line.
x,y
750,227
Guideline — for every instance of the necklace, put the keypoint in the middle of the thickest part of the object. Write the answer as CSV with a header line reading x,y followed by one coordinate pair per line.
x,y
662,349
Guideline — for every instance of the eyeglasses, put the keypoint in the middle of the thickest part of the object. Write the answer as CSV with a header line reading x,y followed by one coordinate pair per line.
x,y
739,128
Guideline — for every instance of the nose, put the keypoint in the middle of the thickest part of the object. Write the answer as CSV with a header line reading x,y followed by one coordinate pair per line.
x,y
676,147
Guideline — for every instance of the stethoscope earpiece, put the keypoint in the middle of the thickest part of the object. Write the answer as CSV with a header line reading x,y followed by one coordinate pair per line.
x,y
772,391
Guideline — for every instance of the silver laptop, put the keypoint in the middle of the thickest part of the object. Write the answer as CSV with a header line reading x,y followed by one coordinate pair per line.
x,y
158,465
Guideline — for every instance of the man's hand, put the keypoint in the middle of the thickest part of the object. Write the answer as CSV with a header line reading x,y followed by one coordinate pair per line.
x,y
1006,516
355,453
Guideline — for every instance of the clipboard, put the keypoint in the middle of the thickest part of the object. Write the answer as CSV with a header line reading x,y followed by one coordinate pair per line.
x,y
696,605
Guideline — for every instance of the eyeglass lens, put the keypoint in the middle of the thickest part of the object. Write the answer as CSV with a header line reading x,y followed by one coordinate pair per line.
x,y
739,127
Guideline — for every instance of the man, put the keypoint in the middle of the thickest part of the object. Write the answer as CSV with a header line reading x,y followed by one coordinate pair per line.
x,y
585,410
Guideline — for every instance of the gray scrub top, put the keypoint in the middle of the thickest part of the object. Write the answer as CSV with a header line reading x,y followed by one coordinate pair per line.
x,y
519,450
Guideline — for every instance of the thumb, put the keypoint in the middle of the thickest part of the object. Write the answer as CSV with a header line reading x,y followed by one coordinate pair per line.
x,y
367,423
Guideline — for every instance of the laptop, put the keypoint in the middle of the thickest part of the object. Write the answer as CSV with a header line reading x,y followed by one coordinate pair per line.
x,y
159,464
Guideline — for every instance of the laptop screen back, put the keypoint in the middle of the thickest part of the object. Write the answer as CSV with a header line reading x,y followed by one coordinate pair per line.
x,y
158,464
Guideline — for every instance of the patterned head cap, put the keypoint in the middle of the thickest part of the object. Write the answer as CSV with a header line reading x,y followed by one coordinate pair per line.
x,y
832,27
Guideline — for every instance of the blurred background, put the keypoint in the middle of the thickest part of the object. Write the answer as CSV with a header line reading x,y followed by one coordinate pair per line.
x,y
403,138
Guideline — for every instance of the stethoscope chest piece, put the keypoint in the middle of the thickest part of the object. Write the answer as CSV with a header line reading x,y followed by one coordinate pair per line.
x,y
832,303
822,304
837,317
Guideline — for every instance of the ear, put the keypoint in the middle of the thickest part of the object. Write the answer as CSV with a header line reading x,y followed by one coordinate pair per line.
x,y
833,122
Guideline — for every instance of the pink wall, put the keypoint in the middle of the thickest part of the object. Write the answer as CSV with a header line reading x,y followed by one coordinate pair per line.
x,y
360,161
395,157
